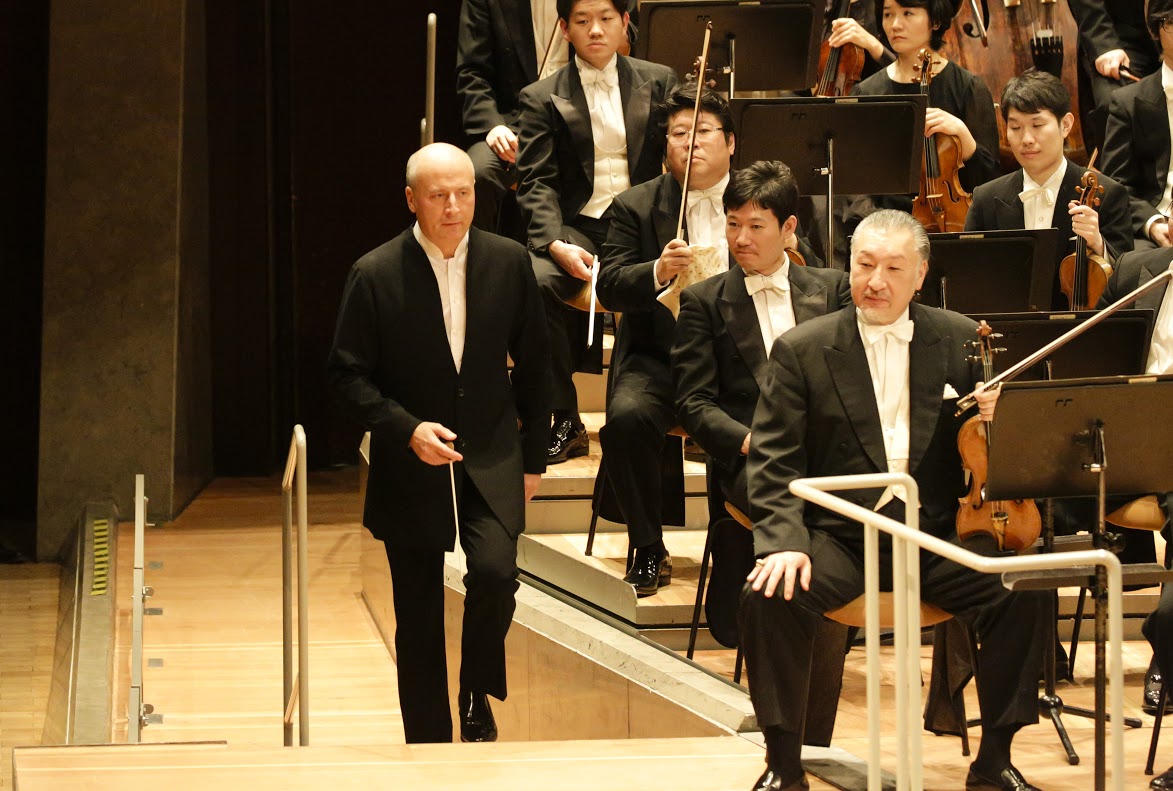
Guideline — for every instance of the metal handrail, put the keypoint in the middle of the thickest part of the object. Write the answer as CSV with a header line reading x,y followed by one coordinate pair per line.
x,y
295,688
428,122
136,708
906,541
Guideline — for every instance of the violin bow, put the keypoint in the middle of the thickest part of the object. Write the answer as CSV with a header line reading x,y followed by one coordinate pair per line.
x,y
696,112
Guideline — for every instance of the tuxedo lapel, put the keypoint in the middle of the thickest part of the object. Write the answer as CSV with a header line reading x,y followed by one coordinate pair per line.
x,y
569,100
429,311
926,384
1152,116
1151,300
847,364
1066,193
520,21
666,211
741,320
477,312
808,295
636,95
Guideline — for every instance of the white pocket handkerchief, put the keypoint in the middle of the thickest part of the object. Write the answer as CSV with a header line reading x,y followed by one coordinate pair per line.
x,y
949,393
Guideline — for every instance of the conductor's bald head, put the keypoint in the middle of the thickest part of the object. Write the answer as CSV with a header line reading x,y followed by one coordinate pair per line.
x,y
440,193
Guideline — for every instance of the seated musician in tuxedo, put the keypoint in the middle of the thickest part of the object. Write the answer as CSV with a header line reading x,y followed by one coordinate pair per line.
x,y
501,47
1042,194
588,132
1136,142
640,258
871,388
1133,271
726,327
1114,49
419,359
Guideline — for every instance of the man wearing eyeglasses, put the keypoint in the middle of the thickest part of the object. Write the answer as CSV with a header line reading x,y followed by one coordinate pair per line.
x,y
1136,141
641,257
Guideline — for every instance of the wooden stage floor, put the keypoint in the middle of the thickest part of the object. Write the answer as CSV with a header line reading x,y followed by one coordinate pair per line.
x,y
216,673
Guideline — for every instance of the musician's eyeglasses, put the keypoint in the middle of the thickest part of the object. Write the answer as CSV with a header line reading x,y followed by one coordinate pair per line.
x,y
702,133
1166,23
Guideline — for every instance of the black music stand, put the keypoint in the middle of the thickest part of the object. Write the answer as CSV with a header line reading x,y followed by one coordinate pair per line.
x,y
1117,346
780,38
1052,439
869,145
992,271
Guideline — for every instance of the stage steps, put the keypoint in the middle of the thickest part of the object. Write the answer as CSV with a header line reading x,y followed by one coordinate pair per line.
x,y
687,764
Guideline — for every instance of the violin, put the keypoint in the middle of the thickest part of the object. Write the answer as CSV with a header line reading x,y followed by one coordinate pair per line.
x,y
1014,524
1082,278
839,67
942,202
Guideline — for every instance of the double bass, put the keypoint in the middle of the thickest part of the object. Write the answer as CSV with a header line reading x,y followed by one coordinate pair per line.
x,y
942,203
1000,39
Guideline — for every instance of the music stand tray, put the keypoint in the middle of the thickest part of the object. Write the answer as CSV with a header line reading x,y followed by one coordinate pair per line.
x,y
1117,346
777,40
992,271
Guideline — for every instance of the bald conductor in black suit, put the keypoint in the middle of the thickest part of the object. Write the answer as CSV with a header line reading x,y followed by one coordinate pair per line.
x,y
419,358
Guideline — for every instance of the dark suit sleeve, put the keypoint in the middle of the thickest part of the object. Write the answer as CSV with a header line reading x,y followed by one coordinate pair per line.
x,y
777,456
539,187
529,348
625,282
353,360
1097,33
475,69
1116,220
1119,162
1117,287
696,373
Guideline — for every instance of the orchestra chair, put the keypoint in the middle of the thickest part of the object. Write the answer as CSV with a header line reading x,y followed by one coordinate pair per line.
x,y
1143,513
853,614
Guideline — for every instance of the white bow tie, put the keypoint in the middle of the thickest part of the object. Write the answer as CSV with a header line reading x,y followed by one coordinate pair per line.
x,y
899,330
606,78
1046,194
756,283
713,194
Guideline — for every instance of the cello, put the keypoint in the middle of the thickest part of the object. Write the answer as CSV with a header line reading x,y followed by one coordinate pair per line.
x,y
942,203
1082,278
1014,524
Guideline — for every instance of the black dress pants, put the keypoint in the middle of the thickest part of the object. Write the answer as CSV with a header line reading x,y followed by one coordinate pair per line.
x,y
567,326
639,414
417,581
494,178
778,635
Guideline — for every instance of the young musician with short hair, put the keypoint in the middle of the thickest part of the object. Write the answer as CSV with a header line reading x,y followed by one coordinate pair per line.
x,y
1042,193
588,132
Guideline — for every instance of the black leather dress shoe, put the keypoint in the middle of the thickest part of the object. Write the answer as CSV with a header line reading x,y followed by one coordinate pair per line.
x,y
476,718
772,781
1009,779
1152,691
1164,781
568,438
651,569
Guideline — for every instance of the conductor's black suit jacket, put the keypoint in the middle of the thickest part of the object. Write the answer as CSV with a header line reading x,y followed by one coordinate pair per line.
x,y
392,366
719,355
817,416
1136,145
556,154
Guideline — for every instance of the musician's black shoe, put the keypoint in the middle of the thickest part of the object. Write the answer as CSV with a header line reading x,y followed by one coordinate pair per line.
x,y
568,438
651,569
1152,691
476,718
1009,779
692,451
772,781
1164,781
